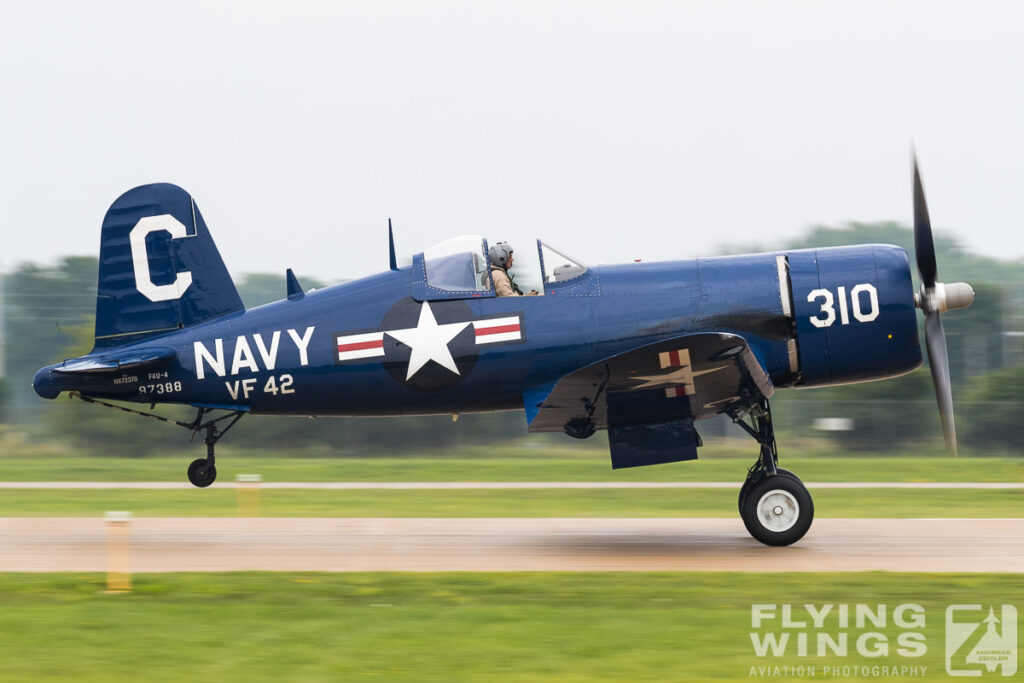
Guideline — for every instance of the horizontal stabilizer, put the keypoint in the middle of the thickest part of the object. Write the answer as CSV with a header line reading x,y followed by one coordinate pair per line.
x,y
132,359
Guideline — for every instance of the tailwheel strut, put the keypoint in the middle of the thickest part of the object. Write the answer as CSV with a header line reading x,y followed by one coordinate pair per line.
x,y
774,504
202,471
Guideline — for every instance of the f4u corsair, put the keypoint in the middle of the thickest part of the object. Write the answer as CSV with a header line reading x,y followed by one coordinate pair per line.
x,y
644,350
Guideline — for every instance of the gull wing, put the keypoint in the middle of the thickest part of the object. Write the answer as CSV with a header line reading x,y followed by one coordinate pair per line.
x,y
649,397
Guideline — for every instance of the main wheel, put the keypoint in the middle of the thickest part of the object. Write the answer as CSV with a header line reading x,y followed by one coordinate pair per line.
x,y
749,484
201,474
778,510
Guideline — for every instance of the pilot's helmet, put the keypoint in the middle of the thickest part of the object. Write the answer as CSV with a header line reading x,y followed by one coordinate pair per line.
x,y
500,254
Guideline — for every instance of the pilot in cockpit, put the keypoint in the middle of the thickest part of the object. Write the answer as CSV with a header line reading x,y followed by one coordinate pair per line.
x,y
501,260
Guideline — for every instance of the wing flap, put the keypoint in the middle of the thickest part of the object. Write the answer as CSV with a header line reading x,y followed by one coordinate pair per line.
x,y
653,444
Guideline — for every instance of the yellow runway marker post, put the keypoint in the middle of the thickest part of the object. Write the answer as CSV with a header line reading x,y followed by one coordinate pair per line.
x,y
248,494
119,551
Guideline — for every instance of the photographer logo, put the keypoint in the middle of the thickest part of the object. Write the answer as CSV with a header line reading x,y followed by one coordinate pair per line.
x,y
981,641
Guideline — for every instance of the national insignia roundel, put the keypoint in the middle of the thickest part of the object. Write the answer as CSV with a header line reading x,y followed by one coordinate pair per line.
x,y
429,345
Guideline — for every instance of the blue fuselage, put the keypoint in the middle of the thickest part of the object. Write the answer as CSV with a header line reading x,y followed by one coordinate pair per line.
x,y
811,317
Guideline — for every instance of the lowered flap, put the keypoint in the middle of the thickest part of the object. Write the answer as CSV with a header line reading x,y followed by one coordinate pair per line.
x,y
653,444
642,432
689,377
120,360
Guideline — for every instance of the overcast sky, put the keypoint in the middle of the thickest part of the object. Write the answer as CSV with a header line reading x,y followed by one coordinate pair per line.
x,y
615,130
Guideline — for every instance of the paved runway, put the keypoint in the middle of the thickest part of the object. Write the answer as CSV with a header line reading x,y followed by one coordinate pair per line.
x,y
367,544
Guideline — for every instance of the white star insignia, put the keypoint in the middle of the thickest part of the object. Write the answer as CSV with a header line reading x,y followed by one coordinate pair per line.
x,y
683,375
429,341
679,376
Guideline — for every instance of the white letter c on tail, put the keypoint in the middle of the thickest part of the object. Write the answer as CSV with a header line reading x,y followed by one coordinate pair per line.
x,y
140,258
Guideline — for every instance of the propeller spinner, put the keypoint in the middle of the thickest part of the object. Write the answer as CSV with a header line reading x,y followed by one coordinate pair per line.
x,y
936,298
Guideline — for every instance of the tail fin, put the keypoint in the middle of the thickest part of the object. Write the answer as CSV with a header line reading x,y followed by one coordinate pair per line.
x,y
159,268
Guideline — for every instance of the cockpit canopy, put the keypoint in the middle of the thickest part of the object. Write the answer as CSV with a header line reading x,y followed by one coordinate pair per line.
x,y
556,266
458,265
459,268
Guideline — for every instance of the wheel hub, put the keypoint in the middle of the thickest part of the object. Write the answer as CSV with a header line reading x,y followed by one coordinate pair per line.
x,y
778,510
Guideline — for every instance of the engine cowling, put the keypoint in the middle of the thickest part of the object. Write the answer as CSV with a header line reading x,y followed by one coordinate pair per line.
x,y
855,314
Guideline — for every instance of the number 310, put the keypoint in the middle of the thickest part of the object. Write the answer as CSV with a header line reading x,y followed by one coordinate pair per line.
x,y
827,316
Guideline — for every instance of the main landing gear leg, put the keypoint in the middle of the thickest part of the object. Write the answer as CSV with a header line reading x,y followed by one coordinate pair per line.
x,y
774,504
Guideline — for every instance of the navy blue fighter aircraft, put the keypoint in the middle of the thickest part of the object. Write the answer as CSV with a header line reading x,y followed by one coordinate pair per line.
x,y
643,350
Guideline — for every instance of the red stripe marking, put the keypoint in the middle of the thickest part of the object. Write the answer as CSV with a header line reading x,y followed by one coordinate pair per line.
x,y
497,329
359,346
673,356
680,391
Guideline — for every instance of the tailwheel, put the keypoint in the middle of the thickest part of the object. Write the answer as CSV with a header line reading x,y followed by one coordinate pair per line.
x,y
202,472
778,510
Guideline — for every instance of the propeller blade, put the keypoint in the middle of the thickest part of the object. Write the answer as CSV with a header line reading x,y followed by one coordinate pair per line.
x,y
924,245
935,339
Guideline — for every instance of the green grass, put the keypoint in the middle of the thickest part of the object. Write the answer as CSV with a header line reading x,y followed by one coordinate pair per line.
x,y
216,502
444,627
512,463
507,464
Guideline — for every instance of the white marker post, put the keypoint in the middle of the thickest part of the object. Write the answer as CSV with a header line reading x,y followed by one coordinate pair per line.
x,y
248,494
119,551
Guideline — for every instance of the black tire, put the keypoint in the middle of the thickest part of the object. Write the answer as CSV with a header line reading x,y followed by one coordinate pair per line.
x,y
744,490
749,483
200,474
778,510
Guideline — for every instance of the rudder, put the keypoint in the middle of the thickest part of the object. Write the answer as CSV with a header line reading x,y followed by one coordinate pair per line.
x,y
159,268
